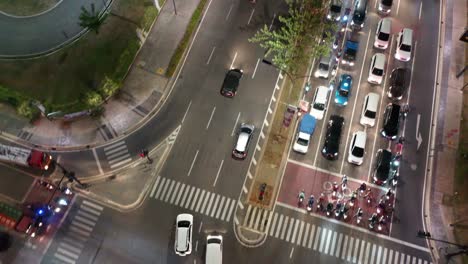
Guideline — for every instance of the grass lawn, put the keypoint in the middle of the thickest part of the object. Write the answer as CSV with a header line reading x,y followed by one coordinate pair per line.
x,y
61,80
26,7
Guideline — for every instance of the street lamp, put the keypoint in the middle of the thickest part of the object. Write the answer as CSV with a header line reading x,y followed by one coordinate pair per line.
x,y
463,249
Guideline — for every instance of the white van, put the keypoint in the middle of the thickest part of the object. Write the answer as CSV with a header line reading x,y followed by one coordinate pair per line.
x,y
376,71
214,249
369,109
319,104
404,44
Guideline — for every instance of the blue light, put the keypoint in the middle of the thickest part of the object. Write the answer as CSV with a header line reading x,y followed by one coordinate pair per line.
x,y
40,212
346,84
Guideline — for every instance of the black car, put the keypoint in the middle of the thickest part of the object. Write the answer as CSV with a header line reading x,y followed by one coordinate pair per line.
x,y
231,82
398,83
391,121
382,166
332,138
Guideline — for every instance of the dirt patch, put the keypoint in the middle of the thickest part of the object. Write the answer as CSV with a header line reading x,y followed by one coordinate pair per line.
x,y
61,80
26,7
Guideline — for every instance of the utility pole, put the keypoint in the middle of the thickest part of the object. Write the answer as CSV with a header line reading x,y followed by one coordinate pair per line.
x,y
463,249
175,9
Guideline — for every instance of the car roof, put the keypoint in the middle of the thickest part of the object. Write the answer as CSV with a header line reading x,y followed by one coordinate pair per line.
x,y
392,121
322,94
373,102
386,25
344,79
231,81
334,133
360,139
379,60
242,141
383,168
399,76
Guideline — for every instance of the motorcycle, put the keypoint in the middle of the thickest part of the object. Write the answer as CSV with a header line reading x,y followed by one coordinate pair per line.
x,y
359,215
344,212
338,209
310,204
329,209
381,223
372,221
352,200
301,198
381,207
362,188
335,190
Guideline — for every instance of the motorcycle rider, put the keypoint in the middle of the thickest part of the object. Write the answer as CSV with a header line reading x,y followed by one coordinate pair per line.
x,y
329,208
335,189
362,188
310,204
353,198
301,196
372,220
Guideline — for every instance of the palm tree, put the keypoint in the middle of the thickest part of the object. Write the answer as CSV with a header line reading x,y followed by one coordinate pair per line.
x,y
91,19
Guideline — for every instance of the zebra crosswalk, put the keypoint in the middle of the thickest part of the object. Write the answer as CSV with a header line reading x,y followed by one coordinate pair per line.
x,y
347,247
117,154
193,198
81,226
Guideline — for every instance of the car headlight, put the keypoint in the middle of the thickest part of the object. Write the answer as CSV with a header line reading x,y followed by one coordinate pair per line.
x,y
328,16
383,133
316,74
336,100
351,63
394,137
352,23
338,18
336,154
380,8
345,103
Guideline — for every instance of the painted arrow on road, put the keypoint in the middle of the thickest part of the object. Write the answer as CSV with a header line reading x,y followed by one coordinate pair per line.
x,y
418,134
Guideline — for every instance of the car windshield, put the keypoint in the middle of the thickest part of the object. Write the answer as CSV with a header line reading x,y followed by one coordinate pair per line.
x,y
370,114
335,8
302,142
319,106
184,224
246,130
214,240
384,36
323,66
343,92
358,152
387,2
378,72
406,48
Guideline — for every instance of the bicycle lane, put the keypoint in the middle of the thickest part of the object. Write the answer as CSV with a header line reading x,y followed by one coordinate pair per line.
x,y
315,181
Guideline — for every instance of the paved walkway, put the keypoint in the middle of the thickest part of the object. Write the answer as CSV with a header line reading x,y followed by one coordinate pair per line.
x,y
143,92
448,127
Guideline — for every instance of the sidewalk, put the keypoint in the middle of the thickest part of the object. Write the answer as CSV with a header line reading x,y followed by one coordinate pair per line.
x,y
143,93
448,127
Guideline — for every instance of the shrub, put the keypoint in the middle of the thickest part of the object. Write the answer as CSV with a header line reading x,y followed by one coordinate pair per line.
x,y
93,99
109,87
26,109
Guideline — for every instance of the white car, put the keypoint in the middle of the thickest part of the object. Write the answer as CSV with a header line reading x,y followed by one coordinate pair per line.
x,y
319,103
404,44
183,234
214,249
357,148
377,67
382,35
243,140
369,109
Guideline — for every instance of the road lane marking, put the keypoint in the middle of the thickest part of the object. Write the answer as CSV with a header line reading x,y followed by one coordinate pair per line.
x,y
333,243
338,246
354,106
317,236
200,199
327,246
209,203
184,196
350,249
189,198
311,236
285,226
398,7
273,225
220,208
217,174
215,205
356,250
345,246
209,121
290,226
235,124
299,236
290,254
382,95
194,200
174,193
251,15
273,20
93,205
233,60
229,12
200,227
193,162
420,10
255,70
186,111
205,202
169,191
182,189
97,161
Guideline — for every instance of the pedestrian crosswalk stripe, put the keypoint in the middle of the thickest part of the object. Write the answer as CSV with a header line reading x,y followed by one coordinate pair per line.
x,y
81,219
390,256
114,152
193,198
285,226
311,237
78,236
114,145
79,231
87,215
299,236
345,246
306,233
73,242
327,246
95,206
296,226
379,252
350,249
317,235
280,220
118,159
70,247
64,259
338,246
117,154
356,249
289,226
384,258
322,239
67,253
89,210
176,188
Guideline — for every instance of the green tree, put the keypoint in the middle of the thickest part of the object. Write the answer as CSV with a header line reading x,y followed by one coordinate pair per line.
x,y
91,19
303,34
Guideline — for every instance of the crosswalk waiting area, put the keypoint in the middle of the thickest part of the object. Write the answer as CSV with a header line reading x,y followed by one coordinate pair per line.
x,y
80,229
310,236
193,198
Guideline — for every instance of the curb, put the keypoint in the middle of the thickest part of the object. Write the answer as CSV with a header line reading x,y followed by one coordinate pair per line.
x,y
35,15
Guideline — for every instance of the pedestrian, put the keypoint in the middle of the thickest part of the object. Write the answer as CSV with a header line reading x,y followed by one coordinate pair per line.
x,y
344,182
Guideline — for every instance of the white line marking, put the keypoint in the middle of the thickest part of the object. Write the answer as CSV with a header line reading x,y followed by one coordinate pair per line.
x,y
196,249
361,229
235,124
93,205
109,152
292,251
345,246
209,121
89,210
311,236
273,20
239,203
338,245
64,259
220,208
350,249
189,198
84,220
215,205
70,247
230,9
161,186
354,106
420,10
317,236
233,60
193,162
217,174
210,203
114,145
251,15
398,7
97,162
226,207
174,193
199,228
299,236
200,199
186,111
120,163
230,210
255,70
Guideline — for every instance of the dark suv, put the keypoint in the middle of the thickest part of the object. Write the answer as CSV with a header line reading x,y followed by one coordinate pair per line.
x,y
391,121
332,138
231,82
398,83
382,166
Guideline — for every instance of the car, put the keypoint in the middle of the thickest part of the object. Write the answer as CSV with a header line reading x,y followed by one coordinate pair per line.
x,y
377,67
343,90
319,103
381,172
214,249
332,137
404,44
323,68
398,83
183,234
359,15
334,13
243,139
369,109
385,6
231,82
357,148
382,35
304,133
391,121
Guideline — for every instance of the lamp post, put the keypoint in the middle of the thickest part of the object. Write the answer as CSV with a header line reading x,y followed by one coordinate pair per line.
x,y
463,249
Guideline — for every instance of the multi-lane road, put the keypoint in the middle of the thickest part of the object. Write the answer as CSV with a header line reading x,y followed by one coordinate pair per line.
x,y
200,177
